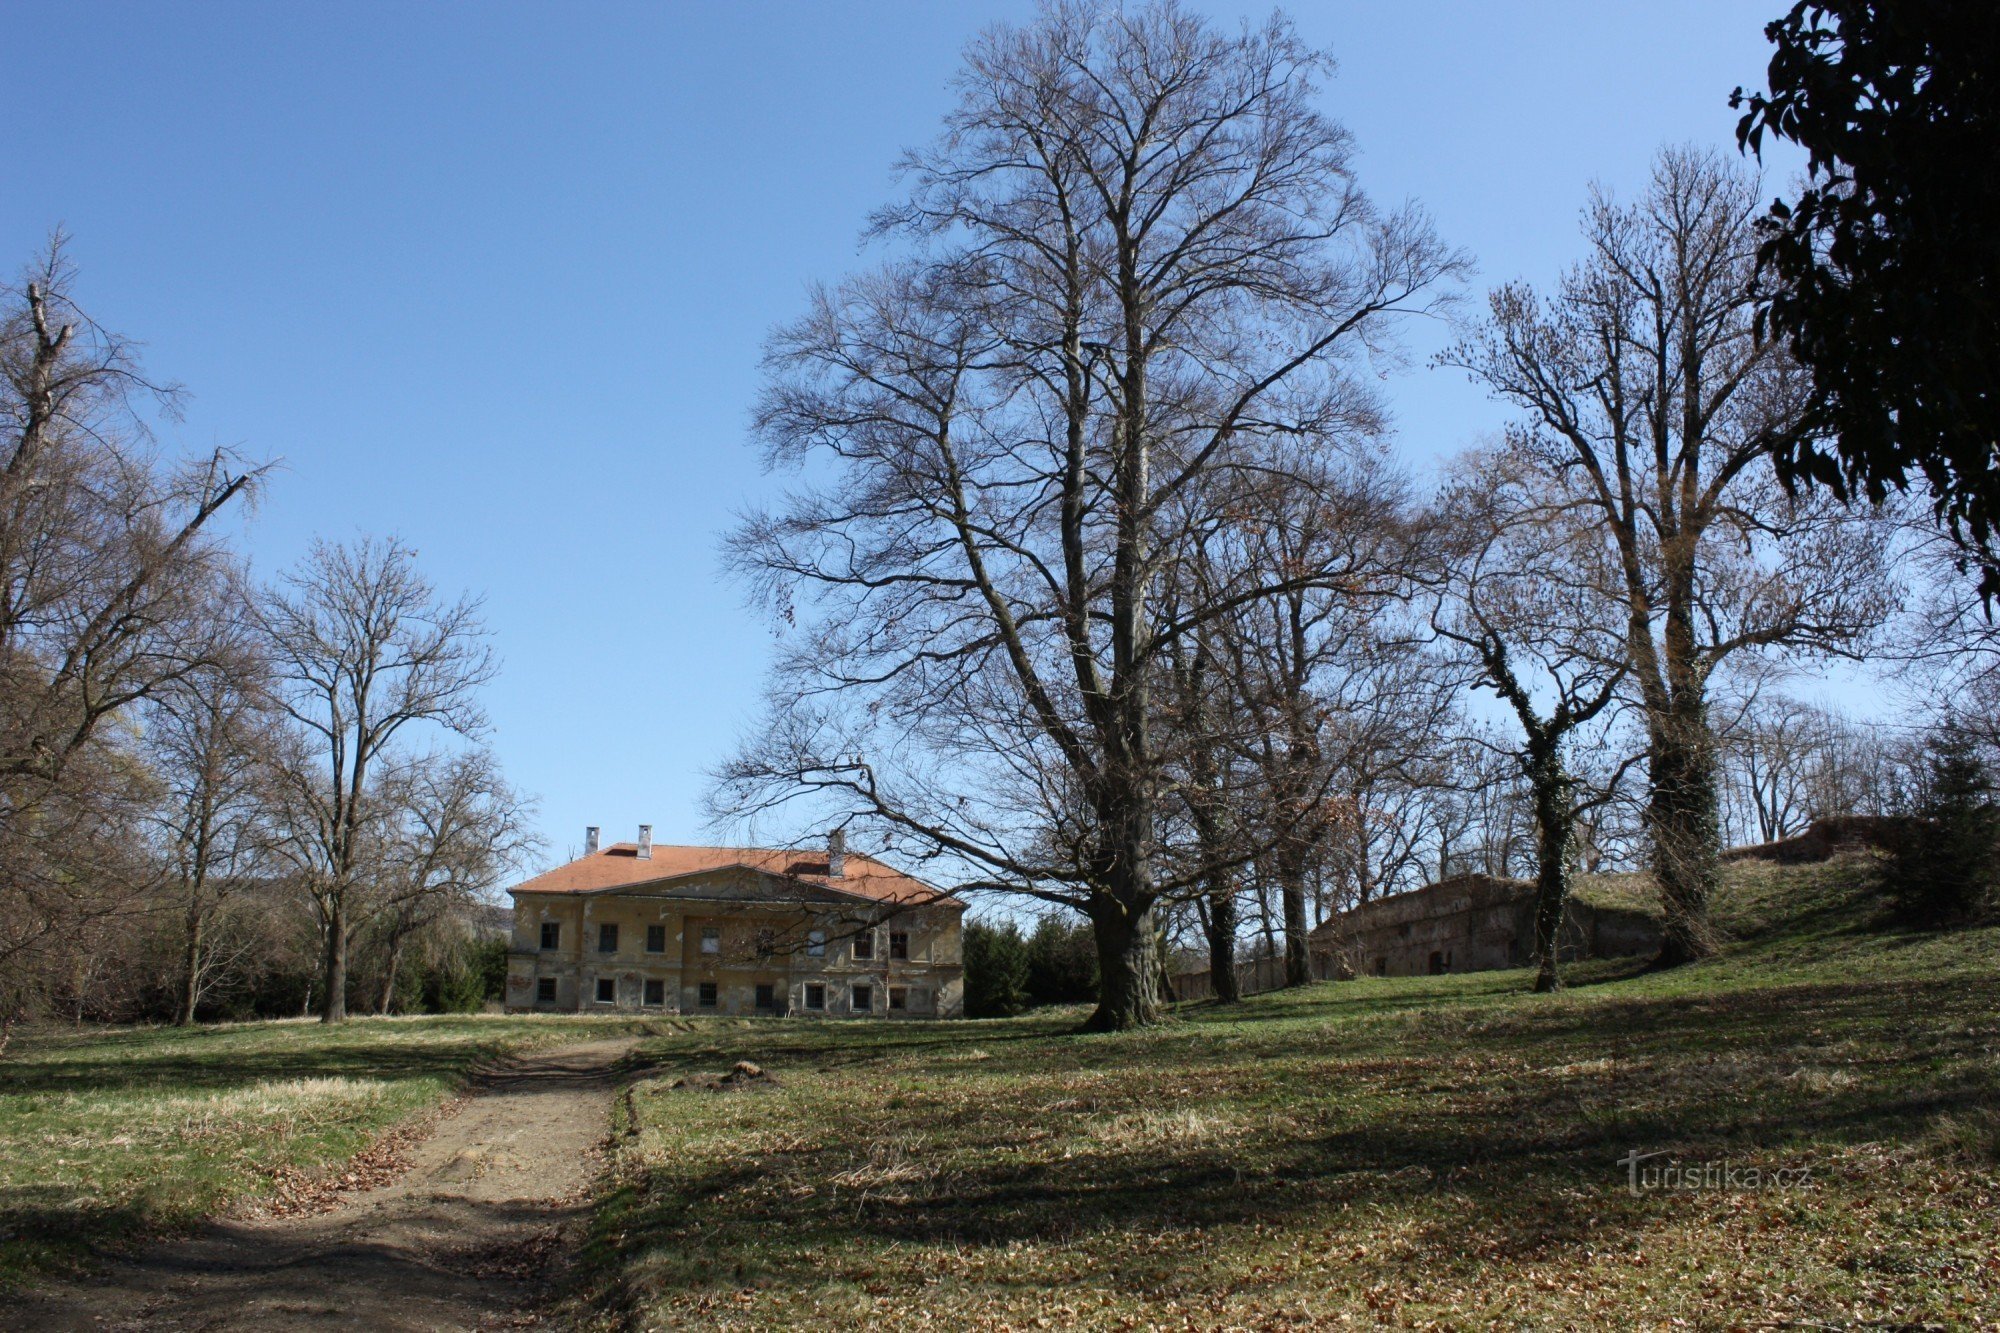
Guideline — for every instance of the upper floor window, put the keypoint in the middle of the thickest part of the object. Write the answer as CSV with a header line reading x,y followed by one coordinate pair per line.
x,y
899,944
711,939
656,939
864,945
816,944
551,934
607,937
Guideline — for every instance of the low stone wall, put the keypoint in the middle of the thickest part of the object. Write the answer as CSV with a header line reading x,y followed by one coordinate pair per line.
x,y
1472,923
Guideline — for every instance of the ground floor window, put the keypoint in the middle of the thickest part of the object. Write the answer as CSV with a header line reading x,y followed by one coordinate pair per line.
x,y
607,991
864,999
545,990
815,995
656,992
899,997
767,995
707,993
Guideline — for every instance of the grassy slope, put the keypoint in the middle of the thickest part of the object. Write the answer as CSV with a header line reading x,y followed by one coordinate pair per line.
x,y
1406,1151
107,1133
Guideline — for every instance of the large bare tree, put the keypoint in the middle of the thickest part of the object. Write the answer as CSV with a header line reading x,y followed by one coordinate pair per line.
x,y
1139,251
1649,396
209,742
109,574
457,828
365,652
1521,600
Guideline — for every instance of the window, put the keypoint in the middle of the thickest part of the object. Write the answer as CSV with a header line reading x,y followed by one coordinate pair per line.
x,y
864,999
1437,963
656,939
767,995
815,995
607,991
899,997
767,943
607,937
711,939
551,934
864,945
899,944
656,992
816,944
707,993
545,989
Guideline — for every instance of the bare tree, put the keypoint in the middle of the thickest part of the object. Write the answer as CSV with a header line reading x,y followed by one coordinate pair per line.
x,y
1523,600
1648,395
1143,254
457,830
107,575
209,739
364,650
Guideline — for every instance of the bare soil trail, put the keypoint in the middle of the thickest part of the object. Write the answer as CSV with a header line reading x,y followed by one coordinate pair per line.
x,y
467,1238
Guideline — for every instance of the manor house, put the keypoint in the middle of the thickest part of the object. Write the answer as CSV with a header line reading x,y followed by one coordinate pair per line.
x,y
641,927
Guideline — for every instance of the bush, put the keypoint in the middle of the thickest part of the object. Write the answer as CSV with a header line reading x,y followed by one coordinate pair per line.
x,y
1062,962
996,970
1946,866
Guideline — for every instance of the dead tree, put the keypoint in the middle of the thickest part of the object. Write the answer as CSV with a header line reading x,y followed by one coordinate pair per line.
x,y
1648,395
1141,252
363,650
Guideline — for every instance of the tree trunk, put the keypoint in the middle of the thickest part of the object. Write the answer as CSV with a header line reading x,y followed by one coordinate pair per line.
x,y
389,977
1128,967
333,976
190,970
1554,828
1222,915
1298,958
1686,834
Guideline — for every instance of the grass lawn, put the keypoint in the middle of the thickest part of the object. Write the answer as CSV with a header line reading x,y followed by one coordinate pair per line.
x,y
108,1133
1411,1152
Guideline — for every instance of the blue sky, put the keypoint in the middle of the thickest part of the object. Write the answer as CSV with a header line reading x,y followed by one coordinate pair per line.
x,y
496,277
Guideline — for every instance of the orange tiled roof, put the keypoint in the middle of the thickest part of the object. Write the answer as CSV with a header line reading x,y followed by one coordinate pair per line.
x,y
620,866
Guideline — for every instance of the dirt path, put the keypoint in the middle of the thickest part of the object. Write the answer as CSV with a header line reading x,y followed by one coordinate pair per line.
x,y
466,1239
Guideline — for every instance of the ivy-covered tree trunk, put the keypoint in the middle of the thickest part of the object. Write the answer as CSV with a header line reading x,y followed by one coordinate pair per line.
x,y
1555,824
1686,831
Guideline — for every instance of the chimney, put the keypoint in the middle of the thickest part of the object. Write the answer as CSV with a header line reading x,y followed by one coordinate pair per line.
x,y
645,842
836,853
590,840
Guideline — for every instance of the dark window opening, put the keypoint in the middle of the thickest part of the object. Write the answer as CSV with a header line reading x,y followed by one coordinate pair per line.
x,y
767,943
864,945
551,934
899,997
707,993
815,995
899,944
1381,967
656,992
607,991
767,995
607,937
1437,963
545,990
656,939
864,999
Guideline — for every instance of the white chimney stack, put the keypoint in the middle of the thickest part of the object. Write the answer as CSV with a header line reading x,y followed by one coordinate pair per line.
x,y
836,854
645,842
590,840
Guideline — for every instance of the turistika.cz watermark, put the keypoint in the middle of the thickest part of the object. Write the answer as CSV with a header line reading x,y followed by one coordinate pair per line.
x,y
1696,1177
